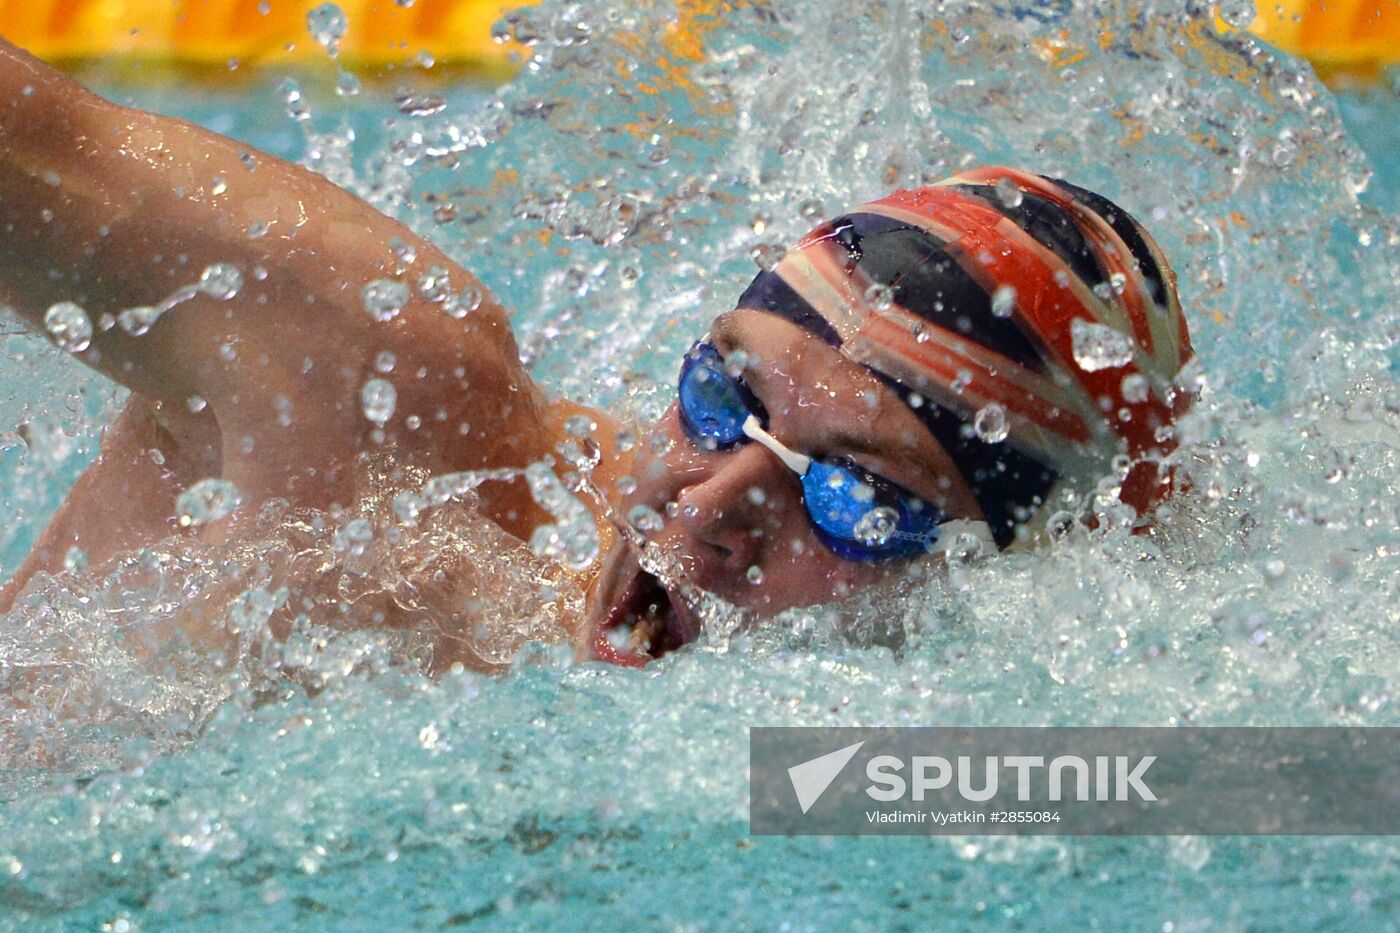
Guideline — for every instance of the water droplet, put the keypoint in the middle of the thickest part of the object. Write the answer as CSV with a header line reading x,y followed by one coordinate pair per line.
x,y
385,362
580,425
1237,14
876,527
75,560
346,84
406,253
754,575
879,296
377,399
990,423
408,505
137,321
1097,346
384,298
207,501
767,255
965,548
1134,388
69,326
419,105
296,107
1008,192
1004,300
353,537
326,23
434,285
627,485
219,186
196,404
221,280
463,303
645,519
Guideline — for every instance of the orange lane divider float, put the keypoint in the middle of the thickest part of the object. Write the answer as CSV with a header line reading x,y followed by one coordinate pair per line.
x,y
1354,38
214,32
1342,38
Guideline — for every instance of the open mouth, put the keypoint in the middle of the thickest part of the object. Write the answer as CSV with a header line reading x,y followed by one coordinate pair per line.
x,y
644,624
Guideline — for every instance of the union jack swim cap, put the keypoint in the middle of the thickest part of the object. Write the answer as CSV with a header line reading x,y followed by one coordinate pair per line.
x,y
1002,288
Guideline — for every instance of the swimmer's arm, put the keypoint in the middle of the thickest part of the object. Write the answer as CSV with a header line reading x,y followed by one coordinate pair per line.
x,y
124,499
115,208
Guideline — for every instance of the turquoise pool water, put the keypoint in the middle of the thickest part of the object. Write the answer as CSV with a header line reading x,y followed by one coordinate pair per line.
x,y
616,203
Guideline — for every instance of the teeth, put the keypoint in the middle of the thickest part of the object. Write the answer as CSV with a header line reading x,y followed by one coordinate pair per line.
x,y
646,631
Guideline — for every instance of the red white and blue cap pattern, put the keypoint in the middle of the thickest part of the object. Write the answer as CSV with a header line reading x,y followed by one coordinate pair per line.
x,y
970,292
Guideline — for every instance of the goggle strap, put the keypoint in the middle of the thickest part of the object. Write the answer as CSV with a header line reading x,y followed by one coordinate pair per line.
x,y
794,461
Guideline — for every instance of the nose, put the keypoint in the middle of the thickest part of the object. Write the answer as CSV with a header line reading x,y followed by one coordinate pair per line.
x,y
736,506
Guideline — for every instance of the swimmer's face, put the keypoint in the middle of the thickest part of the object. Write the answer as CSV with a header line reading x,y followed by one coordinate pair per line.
x,y
735,519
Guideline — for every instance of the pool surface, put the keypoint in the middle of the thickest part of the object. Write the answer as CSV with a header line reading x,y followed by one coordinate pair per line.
x,y
617,195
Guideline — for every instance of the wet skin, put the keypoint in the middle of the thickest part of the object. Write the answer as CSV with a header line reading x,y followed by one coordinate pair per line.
x,y
115,208
738,509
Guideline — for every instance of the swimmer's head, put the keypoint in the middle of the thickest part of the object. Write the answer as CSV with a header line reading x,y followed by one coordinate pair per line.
x,y
1031,325
971,348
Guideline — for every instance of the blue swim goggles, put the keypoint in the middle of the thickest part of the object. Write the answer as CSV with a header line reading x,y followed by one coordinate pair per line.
x,y
858,515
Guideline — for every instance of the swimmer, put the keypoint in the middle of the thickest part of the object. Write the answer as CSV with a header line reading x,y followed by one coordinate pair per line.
x,y
930,370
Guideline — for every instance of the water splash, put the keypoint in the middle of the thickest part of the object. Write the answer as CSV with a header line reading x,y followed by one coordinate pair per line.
x,y
611,195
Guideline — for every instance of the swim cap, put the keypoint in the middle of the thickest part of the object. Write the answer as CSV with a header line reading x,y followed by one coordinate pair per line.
x,y
1043,306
